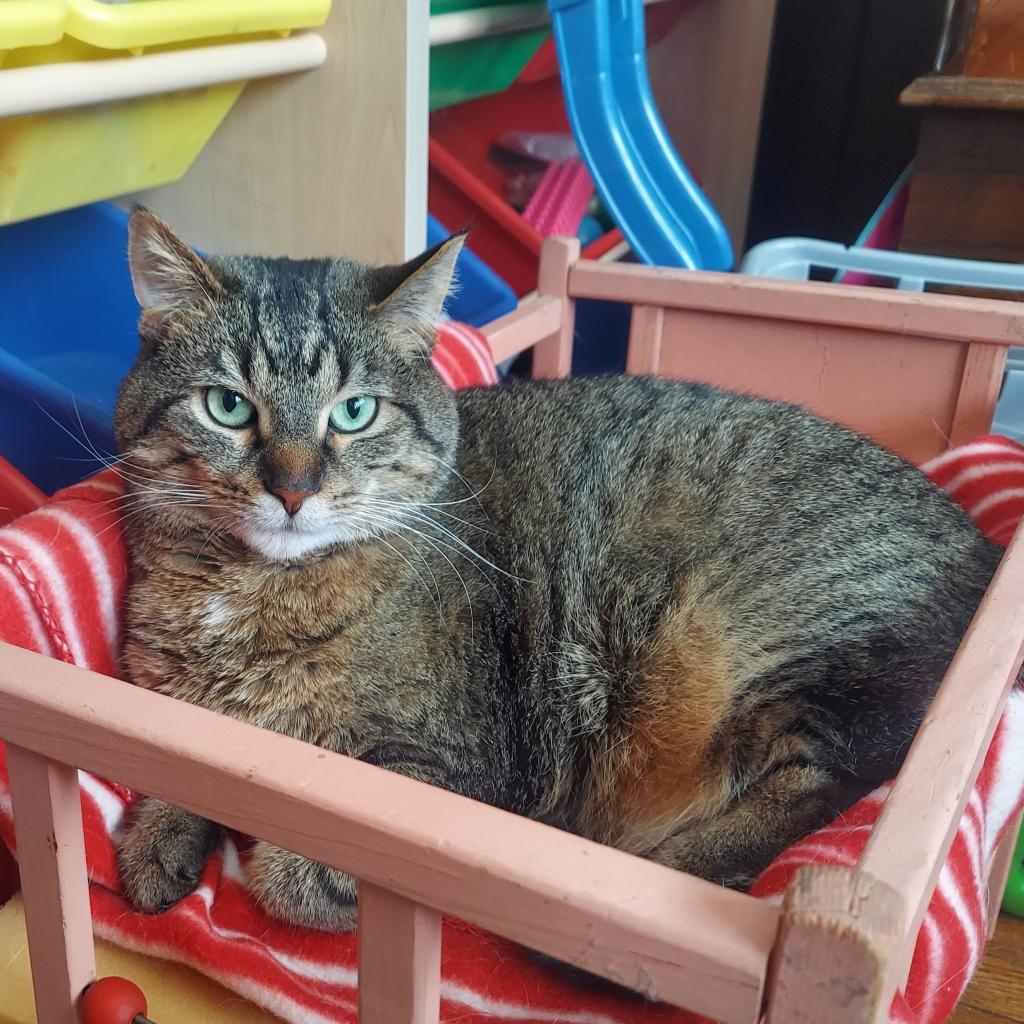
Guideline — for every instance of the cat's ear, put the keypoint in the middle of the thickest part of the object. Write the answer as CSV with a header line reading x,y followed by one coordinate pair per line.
x,y
167,275
409,298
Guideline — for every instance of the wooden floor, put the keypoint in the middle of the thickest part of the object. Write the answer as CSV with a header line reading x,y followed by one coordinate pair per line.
x,y
996,996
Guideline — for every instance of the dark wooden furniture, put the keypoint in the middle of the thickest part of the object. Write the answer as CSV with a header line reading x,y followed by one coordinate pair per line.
x,y
967,192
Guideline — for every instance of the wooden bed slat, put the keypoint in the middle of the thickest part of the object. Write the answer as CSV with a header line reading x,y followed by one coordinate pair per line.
x,y
399,959
667,934
839,930
553,356
523,327
995,321
51,859
998,871
917,825
979,392
646,327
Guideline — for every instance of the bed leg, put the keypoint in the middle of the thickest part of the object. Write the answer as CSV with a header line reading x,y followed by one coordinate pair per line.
x,y
999,870
55,886
833,959
399,959
643,354
553,356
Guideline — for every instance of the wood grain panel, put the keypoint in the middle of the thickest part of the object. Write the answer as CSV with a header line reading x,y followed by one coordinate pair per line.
x,y
327,163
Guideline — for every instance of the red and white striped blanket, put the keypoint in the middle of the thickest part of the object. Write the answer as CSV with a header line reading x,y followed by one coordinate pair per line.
x,y
62,575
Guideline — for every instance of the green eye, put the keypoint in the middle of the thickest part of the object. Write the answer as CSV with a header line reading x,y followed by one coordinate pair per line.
x,y
354,414
229,408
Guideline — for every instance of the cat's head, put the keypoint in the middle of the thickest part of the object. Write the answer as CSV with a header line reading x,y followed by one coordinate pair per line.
x,y
289,403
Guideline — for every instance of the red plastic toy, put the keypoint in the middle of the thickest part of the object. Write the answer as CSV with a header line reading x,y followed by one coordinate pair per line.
x,y
113,1001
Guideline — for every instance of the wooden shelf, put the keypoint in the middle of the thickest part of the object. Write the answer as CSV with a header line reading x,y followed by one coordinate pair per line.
x,y
958,92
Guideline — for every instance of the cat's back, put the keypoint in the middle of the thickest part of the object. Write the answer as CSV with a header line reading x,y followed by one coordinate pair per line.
x,y
767,500
676,525
723,454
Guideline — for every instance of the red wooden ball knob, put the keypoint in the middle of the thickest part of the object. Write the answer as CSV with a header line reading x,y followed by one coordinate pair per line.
x,y
112,1001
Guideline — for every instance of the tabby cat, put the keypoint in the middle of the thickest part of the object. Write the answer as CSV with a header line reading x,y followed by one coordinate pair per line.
x,y
690,624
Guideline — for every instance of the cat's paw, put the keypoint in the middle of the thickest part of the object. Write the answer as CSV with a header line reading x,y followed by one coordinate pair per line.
x,y
300,891
162,854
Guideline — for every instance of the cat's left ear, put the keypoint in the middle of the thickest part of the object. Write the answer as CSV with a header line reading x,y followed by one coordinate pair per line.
x,y
409,298
168,277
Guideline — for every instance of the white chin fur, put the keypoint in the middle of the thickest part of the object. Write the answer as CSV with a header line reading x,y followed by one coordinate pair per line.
x,y
270,531
285,546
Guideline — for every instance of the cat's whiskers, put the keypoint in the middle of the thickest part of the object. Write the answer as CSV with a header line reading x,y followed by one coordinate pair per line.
x,y
434,542
217,530
474,494
388,528
435,545
108,461
421,517
120,463
152,494
124,517
455,472
462,580
412,505
139,475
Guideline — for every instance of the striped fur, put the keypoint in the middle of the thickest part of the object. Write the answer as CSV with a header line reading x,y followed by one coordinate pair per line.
x,y
690,624
308,977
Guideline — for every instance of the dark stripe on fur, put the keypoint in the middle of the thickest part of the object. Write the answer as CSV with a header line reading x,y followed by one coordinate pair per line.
x,y
157,412
417,419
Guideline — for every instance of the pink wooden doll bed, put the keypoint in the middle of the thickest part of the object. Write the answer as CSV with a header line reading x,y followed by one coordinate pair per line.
x,y
916,372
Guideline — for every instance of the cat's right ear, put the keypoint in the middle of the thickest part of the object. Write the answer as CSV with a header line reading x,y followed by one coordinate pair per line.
x,y
167,275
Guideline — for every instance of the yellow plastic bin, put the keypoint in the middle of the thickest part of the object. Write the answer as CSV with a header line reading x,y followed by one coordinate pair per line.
x,y
30,23
92,145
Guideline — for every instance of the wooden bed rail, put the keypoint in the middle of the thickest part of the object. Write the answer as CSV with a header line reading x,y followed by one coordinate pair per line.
x,y
919,821
546,322
856,928
915,372
838,949
421,850
995,321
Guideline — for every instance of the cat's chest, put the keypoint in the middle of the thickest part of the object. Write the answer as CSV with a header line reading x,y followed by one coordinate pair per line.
x,y
291,655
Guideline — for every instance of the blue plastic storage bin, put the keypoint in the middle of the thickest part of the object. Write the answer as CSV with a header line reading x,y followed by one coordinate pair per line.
x,y
481,296
67,337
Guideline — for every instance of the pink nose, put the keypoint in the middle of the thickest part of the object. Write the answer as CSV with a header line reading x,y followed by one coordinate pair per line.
x,y
292,500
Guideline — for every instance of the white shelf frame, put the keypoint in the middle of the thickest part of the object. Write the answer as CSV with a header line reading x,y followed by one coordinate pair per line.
x,y
60,86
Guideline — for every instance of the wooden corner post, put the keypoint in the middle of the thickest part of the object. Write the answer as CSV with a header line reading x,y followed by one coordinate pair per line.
x,y
832,962
47,808
399,959
553,356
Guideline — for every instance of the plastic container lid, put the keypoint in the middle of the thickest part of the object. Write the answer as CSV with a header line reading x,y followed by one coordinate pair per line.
x,y
31,22
133,26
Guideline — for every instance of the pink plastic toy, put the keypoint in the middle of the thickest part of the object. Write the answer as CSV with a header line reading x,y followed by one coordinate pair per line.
x,y
560,202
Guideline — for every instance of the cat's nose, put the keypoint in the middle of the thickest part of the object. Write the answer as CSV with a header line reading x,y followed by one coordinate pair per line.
x,y
292,477
292,500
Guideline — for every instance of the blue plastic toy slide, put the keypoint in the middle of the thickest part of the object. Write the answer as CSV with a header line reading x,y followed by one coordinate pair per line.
x,y
648,191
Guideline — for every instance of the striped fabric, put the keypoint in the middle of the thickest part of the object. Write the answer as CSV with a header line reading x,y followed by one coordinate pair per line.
x,y
462,356
62,574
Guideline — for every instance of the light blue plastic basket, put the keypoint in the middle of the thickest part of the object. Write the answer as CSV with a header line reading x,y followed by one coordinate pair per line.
x,y
798,258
